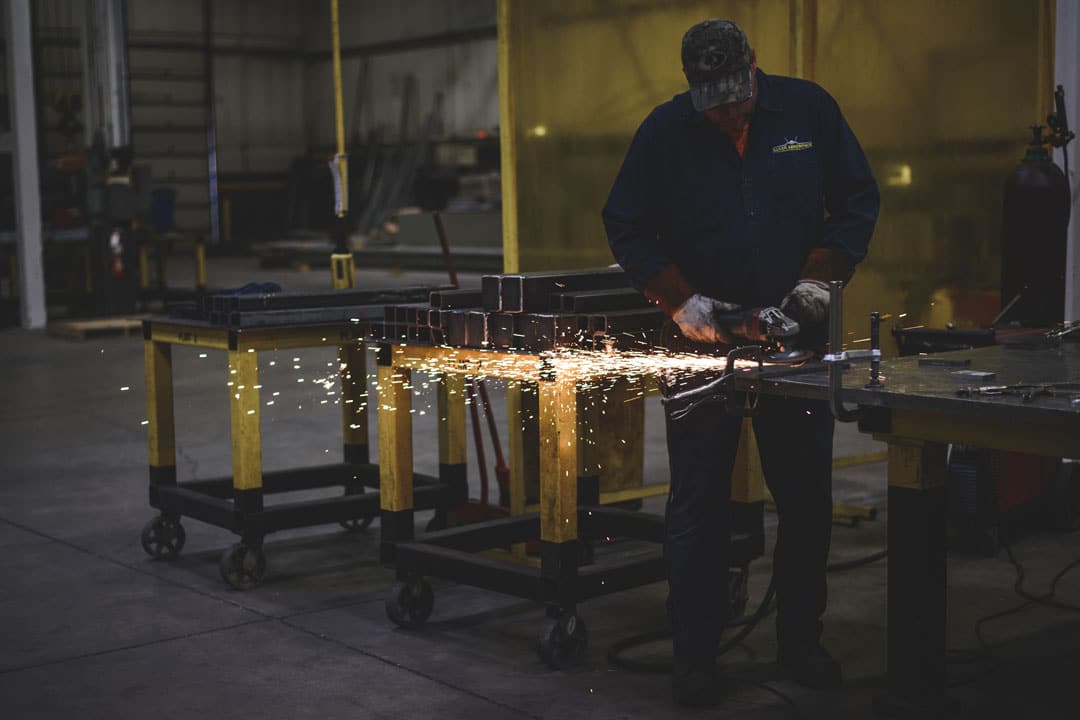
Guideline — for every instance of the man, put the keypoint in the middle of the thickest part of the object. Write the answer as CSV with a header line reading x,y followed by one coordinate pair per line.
x,y
748,191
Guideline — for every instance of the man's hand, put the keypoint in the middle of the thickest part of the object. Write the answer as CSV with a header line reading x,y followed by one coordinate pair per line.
x,y
808,303
696,319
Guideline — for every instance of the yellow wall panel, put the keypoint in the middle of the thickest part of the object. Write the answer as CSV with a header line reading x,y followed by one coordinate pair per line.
x,y
584,74
939,92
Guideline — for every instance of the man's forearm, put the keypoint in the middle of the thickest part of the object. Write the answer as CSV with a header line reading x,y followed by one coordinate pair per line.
x,y
668,289
827,264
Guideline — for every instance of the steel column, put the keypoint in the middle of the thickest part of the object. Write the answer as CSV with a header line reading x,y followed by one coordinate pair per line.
x,y
1066,73
25,161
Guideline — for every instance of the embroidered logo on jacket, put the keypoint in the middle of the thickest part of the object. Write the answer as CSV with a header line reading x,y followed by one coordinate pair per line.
x,y
793,146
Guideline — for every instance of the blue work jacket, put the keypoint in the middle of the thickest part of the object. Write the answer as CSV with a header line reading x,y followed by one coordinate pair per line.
x,y
740,229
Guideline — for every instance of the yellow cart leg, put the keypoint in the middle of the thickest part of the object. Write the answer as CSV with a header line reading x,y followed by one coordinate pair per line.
x,y
395,452
244,423
562,636
161,428
558,480
243,566
163,537
453,473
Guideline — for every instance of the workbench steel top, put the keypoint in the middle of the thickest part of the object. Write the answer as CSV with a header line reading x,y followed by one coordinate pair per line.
x,y
909,385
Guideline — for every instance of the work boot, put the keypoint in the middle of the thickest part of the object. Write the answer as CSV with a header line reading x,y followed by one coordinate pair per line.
x,y
696,685
810,665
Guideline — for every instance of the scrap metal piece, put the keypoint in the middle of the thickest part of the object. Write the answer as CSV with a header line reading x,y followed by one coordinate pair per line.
x,y
1027,393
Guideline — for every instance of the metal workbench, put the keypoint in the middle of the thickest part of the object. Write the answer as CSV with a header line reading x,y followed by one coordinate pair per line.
x,y
919,410
236,502
571,513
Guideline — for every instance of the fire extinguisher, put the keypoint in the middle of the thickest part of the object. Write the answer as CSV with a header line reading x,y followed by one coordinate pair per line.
x,y
116,254
1036,206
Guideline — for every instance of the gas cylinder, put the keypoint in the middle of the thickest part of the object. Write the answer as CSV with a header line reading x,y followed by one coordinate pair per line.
x,y
1034,242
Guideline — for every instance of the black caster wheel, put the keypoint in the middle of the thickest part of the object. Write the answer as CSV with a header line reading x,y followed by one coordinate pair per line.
x,y
562,640
357,524
243,566
163,538
410,603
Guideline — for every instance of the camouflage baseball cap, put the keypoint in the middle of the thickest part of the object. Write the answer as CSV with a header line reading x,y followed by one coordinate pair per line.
x,y
716,62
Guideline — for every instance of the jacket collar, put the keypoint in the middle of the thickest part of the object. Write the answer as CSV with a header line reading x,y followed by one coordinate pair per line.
x,y
767,100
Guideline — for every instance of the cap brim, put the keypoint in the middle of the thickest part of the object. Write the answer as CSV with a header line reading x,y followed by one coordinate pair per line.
x,y
732,89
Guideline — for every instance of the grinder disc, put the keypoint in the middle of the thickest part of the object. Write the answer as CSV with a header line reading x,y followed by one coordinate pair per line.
x,y
789,357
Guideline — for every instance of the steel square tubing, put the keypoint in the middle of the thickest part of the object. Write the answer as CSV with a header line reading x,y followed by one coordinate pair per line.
x,y
544,331
618,321
293,479
454,327
456,299
487,535
491,292
608,576
600,521
588,301
470,569
322,299
532,292
476,329
465,328
301,316
504,330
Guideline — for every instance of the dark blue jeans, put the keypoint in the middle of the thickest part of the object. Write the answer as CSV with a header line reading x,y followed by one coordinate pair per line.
x,y
794,438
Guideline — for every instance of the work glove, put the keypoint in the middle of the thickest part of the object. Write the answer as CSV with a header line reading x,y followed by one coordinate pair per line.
x,y
807,303
696,319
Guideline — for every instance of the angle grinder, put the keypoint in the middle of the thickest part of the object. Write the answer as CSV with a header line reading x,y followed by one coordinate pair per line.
x,y
769,328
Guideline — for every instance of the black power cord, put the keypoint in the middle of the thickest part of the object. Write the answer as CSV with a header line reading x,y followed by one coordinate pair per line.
x,y
985,652
1047,599
746,624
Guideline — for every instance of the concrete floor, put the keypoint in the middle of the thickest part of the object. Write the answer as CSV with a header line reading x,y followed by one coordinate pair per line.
x,y
92,628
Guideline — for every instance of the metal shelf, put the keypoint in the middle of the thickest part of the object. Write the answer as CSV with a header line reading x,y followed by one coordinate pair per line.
x,y
151,75
181,180
173,42
164,102
169,128
150,155
166,74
